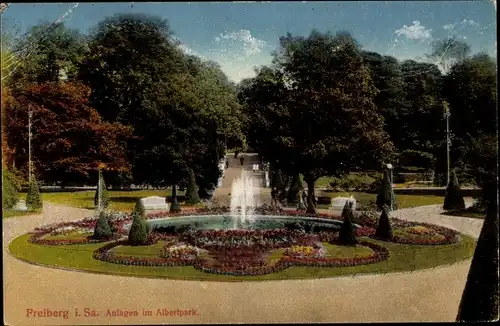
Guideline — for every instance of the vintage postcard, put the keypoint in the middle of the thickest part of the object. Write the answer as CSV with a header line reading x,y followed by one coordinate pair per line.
x,y
249,162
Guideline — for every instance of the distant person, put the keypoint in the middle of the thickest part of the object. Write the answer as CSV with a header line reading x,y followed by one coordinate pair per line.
x,y
227,163
242,159
256,168
236,154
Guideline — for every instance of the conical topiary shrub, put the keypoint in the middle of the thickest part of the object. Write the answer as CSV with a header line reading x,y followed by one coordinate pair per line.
x,y
346,233
386,196
33,198
384,228
192,197
101,190
453,200
138,234
102,228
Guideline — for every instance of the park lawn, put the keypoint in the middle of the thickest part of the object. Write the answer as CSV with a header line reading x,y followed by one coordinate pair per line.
x,y
402,258
403,201
6,213
70,236
119,200
403,233
323,182
468,212
148,251
346,251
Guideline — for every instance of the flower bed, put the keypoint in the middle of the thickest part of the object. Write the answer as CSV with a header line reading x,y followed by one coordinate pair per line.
x,y
420,230
435,234
179,251
315,251
104,254
117,220
242,251
380,254
365,231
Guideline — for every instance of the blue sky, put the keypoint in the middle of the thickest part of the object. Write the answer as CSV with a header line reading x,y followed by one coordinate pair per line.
x,y
242,35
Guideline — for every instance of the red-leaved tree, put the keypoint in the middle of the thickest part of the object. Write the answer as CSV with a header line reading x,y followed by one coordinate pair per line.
x,y
69,137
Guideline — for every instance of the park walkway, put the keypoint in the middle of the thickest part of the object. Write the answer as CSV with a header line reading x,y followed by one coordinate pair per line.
x,y
222,194
426,295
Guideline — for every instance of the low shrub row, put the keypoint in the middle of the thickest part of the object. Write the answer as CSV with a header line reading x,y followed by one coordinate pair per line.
x,y
36,239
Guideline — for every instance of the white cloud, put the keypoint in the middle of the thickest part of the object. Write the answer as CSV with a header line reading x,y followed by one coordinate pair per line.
x,y
415,31
449,27
249,44
186,49
469,22
461,25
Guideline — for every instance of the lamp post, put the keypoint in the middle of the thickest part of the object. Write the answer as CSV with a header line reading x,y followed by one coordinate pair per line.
x,y
447,117
30,115
389,167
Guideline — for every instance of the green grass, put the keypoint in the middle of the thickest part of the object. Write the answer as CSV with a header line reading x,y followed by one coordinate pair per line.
x,y
346,251
403,201
470,212
119,200
402,258
275,255
323,182
69,236
6,213
403,233
143,251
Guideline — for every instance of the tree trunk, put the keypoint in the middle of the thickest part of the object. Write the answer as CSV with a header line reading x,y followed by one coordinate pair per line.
x,y
310,194
174,194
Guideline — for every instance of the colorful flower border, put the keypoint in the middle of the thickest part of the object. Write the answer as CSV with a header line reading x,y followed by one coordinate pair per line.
x,y
450,236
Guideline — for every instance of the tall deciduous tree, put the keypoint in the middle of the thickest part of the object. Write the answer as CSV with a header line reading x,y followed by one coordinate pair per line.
x,y
47,50
447,52
69,136
317,102
182,109
471,89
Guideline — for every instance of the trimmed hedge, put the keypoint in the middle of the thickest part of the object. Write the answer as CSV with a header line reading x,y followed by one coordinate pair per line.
x,y
453,200
102,228
347,235
102,190
384,228
138,234
386,195
33,197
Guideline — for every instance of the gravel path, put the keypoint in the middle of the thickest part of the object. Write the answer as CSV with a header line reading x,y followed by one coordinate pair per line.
x,y
427,295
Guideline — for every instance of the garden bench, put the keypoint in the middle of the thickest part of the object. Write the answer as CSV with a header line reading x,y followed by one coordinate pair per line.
x,y
338,203
155,203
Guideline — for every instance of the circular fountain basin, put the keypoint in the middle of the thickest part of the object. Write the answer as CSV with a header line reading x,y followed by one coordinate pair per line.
x,y
222,222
